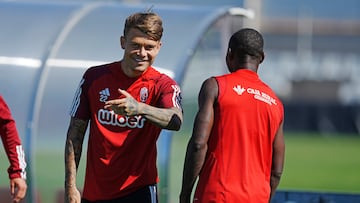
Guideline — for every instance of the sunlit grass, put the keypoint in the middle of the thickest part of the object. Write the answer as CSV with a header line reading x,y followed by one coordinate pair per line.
x,y
313,163
322,163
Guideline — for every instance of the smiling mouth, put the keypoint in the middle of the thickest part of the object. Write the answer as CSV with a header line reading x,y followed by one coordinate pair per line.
x,y
140,60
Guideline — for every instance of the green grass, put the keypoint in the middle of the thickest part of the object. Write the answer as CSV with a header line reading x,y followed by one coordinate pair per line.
x,y
322,163
49,171
313,163
316,163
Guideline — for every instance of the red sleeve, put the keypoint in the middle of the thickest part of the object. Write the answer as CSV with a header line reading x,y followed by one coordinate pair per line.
x,y
11,142
80,106
170,93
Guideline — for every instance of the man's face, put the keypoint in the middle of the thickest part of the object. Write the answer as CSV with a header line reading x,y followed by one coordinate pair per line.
x,y
139,52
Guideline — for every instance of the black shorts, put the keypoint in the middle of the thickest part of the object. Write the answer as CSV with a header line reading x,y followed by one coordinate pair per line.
x,y
146,194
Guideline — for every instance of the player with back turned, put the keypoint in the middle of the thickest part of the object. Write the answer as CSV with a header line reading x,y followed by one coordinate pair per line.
x,y
237,145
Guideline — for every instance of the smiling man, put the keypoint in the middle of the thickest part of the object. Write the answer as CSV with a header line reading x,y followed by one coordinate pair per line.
x,y
127,104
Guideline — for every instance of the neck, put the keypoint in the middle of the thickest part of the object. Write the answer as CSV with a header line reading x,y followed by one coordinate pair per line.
x,y
251,66
246,62
128,71
246,66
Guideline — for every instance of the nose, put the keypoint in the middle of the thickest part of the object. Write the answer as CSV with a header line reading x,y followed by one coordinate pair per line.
x,y
142,51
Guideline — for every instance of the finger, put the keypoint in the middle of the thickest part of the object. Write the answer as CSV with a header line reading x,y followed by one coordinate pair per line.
x,y
124,92
21,193
111,103
16,199
116,101
12,188
108,106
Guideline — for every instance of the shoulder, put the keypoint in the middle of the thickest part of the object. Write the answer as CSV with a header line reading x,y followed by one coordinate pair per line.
x,y
159,77
274,96
273,93
98,71
2,99
166,79
211,82
100,68
222,79
210,87
3,104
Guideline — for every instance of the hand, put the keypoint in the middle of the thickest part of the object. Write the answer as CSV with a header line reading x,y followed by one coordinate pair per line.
x,y
72,195
126,106
18,188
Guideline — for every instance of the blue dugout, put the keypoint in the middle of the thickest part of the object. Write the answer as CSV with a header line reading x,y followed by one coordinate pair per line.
x,y
46,47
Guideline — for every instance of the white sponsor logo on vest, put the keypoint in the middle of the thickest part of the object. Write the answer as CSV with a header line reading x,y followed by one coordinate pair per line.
x,y
261,96
107,117
238,89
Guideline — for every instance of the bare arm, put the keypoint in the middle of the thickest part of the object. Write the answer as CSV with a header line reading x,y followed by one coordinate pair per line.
x,y
277,159
168,118
197,146
73,148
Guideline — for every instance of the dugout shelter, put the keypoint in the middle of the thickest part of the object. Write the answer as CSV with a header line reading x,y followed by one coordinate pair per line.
x,y
47,46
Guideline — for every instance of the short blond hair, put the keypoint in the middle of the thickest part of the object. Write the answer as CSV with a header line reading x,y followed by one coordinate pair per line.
x,y
149,23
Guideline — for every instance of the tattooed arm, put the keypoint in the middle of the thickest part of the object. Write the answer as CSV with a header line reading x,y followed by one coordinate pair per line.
x,y
167,118
73,148
170,118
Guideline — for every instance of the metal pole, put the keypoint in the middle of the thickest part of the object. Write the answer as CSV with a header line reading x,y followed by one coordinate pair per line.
x,y
256,7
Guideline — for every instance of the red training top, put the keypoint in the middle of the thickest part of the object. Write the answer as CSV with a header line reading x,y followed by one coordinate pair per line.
x,y
12,143
121,156
238,161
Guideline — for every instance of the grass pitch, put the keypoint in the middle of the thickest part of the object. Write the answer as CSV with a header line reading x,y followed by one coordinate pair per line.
x,y
324,163
313,162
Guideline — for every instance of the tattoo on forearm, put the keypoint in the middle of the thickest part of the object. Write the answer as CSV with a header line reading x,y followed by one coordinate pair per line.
x,y
73,148
133,106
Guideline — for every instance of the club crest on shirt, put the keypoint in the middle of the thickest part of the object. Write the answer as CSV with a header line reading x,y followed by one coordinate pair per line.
x,y
144,94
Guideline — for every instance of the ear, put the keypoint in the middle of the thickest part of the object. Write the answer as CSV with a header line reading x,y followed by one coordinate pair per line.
x,y
122,42
229,54
158,47
228,58
262,57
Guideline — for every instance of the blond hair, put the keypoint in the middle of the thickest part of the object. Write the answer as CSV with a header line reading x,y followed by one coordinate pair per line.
x,y
147,22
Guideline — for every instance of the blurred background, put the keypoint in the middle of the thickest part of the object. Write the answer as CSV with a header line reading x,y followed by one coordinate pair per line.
x,y
312,62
